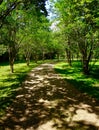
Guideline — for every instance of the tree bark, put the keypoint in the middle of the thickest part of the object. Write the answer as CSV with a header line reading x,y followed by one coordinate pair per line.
x,y
85,67
68,53
12,66
11,61
28,61
12,54
43,56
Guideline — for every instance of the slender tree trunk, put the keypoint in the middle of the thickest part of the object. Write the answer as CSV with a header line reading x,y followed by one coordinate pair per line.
x,y
11,62
58,56
68,53
86,59
43,56
12,66
85,67
36,58
28,61
11,59
12,48
77,56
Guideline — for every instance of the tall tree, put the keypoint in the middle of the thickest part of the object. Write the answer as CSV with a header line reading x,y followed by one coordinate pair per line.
x,y
13,14
80,23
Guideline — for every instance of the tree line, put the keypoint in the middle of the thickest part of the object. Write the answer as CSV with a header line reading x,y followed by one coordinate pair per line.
x,y
79,29
25,30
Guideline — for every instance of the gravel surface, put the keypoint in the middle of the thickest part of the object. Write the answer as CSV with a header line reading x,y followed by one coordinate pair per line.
x,y
45,101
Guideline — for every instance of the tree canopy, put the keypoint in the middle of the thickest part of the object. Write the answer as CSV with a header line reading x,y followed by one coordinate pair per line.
x,y
79,27
26,32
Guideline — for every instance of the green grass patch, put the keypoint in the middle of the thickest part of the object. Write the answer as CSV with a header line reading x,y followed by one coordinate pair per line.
x,y
9,82
87,84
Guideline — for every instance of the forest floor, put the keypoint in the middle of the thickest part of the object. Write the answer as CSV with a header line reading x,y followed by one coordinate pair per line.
x,y
45,101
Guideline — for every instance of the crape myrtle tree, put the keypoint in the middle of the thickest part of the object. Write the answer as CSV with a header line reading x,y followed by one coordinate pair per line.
x,y
12,13
65,17
42,36
35,38
86,30
57,47
8,39
82,18
68,42
25,34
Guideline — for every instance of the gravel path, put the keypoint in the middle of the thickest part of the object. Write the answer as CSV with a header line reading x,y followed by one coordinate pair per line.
x,y
45,101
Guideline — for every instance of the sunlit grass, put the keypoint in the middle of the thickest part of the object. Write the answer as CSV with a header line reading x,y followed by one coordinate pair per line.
x,y
9,82
87,84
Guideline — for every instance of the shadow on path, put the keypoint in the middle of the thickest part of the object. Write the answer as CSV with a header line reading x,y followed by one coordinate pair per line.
x,y
45,101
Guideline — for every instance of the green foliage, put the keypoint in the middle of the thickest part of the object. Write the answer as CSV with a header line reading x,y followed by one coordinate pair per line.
x,y
35,35
7,7
3,49
24,28
79,30
74,75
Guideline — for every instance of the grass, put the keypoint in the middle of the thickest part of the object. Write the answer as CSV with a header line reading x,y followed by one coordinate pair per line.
x,y
87,84
9,82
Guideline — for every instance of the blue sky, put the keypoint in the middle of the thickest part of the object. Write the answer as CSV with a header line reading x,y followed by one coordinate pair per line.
x,y
50,8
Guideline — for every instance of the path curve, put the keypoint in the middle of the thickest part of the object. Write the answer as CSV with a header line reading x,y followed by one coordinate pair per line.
x,y
45,101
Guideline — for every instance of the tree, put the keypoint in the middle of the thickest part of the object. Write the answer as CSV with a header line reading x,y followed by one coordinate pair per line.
x,y
12,19
36,35
79,21
12,44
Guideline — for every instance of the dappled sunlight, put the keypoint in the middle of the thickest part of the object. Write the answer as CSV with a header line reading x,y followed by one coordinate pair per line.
x,y
45,101
86,117
49,104
86,83
47,126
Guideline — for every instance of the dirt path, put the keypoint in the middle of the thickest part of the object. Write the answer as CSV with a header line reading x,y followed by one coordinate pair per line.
x,y
47,102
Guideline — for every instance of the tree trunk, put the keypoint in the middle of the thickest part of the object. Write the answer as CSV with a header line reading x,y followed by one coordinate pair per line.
x,y
86,59
68,53
11,59
12,67
36,58
58,56
43,56
77,56
85,64
28,61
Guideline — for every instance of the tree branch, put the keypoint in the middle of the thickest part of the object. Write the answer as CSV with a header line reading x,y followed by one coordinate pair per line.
x,y
8,11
